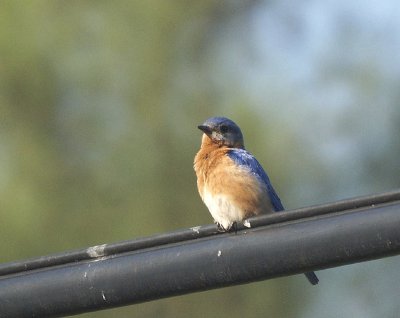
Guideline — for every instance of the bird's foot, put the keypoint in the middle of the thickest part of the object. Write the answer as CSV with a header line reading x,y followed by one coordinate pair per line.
x,y
220,228
232,227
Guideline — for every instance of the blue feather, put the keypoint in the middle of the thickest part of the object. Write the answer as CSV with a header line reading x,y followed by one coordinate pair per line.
x,y
243,158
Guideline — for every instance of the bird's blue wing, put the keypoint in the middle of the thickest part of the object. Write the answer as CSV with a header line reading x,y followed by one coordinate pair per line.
x,y
243,158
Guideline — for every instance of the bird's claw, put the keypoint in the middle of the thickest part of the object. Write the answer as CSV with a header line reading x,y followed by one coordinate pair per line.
x,y
231,228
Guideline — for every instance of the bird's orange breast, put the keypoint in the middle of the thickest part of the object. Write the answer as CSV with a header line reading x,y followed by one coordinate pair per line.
x,y
219,176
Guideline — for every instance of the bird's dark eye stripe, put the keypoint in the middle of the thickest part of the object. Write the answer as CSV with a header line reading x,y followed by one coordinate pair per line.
x,y
224,128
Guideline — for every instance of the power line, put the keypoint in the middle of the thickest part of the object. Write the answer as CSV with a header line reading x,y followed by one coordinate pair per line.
x,y
200,258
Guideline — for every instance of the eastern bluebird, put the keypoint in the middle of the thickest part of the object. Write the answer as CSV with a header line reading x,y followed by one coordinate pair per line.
x,y
231,182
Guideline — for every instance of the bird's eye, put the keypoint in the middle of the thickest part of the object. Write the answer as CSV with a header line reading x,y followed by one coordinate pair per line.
x,y
224,129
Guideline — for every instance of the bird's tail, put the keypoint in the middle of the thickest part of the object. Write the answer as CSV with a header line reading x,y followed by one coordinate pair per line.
x,y
312,278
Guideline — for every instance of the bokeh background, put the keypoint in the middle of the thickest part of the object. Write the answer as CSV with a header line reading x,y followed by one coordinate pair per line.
x,y
99,103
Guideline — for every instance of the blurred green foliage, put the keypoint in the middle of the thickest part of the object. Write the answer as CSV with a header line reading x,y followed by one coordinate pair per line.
x,y
98,135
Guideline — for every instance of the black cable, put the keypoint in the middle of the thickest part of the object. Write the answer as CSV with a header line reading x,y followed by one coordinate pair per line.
x,y
193,233
354,231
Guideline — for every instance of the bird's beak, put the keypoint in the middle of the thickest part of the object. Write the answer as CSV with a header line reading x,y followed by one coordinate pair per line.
x,y
205,129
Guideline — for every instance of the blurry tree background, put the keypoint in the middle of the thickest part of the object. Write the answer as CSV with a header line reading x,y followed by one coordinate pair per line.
x,y
99,103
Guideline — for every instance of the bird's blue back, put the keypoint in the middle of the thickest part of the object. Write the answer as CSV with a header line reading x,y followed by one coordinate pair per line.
x,y
243,158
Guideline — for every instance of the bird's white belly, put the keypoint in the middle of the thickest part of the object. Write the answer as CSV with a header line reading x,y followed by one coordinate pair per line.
x,y
222,209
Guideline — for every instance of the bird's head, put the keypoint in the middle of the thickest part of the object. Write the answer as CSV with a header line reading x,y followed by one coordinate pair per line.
x,y
222,131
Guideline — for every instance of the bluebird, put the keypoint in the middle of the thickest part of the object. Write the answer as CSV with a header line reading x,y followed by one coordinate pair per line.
x,y
230,180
